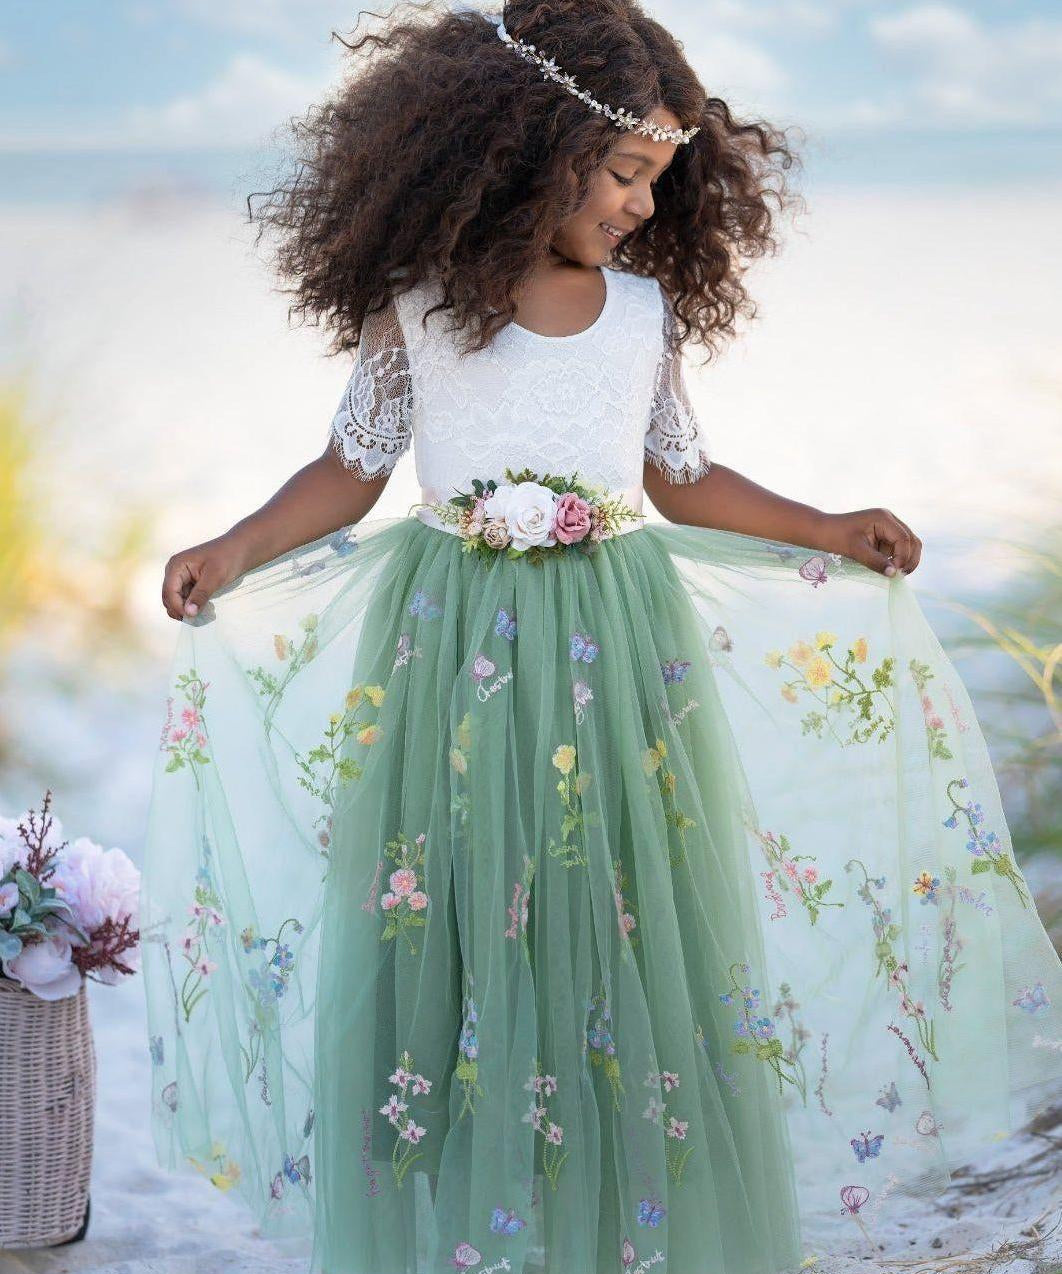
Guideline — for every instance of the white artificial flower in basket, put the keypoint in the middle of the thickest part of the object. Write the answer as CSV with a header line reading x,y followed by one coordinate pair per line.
x,y
68,912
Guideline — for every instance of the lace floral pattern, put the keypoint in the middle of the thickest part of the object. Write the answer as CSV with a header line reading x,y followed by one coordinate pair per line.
x,y
673,442
373,425
602,401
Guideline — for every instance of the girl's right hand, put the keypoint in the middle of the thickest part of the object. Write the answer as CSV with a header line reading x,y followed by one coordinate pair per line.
x,y
193,575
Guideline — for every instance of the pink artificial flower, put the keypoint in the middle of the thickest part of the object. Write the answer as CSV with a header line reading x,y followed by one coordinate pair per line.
x,y
8,898
46,969
572,518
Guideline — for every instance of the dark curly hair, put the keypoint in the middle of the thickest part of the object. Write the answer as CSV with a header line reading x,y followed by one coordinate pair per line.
x,y
442,153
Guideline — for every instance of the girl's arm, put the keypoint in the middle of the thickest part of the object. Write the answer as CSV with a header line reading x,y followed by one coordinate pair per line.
x,y
727,500
319,498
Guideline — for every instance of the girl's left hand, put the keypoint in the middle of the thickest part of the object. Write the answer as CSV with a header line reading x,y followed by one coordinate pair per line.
x,y
875,537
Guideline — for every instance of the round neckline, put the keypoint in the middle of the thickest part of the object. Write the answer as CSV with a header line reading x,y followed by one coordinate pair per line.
x,y
586,331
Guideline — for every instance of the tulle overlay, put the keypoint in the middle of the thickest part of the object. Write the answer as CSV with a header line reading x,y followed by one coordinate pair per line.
x,y
645,909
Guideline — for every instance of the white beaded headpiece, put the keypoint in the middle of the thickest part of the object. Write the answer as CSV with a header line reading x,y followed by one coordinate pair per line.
x,y
620,117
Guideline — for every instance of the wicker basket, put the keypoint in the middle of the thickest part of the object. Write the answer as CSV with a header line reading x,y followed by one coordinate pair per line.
x,y
47,1109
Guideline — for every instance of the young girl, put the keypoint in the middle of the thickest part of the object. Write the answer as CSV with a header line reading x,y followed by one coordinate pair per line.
x,y
530,887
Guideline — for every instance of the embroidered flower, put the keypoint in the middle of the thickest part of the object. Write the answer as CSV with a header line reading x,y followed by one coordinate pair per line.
x,y
403,882
859,650
564,758
818,672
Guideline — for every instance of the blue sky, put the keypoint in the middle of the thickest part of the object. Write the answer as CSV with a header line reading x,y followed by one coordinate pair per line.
x,y
910,92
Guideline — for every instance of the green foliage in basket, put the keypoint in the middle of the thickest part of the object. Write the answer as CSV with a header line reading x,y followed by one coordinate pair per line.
x,y
35,903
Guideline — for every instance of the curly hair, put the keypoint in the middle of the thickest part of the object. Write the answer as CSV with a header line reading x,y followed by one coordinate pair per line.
x,y
441,153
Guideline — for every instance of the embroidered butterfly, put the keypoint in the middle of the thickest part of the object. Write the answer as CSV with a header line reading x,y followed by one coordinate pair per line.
x,y
627,1253
584,648
720,639
482,667
651,1211
423,605
927,1125
505,625
169,1095
342,542
1033,999
504,1221
867,1147
889,1098
674,671
297,1170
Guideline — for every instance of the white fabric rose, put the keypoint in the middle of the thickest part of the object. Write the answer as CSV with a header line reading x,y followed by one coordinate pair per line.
x,y
528,509
46,969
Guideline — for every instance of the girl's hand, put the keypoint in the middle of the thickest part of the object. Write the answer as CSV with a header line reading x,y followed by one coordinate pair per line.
x,y
193,575
875,537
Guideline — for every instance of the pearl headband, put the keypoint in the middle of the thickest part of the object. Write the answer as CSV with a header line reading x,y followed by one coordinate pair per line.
x,y
621,118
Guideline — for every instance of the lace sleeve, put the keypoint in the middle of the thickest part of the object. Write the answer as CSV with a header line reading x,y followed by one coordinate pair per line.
x,y
373,424
673,442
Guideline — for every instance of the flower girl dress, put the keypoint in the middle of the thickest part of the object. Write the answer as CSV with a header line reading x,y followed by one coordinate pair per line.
x,y
639,902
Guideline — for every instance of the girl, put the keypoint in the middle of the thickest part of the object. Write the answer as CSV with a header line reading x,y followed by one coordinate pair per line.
x,y
529,887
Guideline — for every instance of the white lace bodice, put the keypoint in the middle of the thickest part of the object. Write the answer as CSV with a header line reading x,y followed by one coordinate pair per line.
x,y
600,402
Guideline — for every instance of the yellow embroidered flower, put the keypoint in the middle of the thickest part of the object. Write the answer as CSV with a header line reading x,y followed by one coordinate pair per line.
x,y
353,698
800,652
280,645
369,734
789,694
822,640
308,622
818,672
668,782
335,718
464,731
310,649
582,782
458,761
564,758
773,659
836,696
651,760
859,650
923,883
661,748
375,695
227,1177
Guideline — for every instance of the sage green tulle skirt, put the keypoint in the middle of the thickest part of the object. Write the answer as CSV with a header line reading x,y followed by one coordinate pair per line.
x,y
646,909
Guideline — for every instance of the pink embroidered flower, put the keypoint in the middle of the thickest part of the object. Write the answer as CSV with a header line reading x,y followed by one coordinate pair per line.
x,y
418,900
403,881
677,1128
545,1084
534,1117
653,1111
573,519
421,1085
393,1108
178,734
790,869
205,967
412,1132
555,1134
811,874
389,900
627,922
935,722
190,717
401,1077
188,942
670,1080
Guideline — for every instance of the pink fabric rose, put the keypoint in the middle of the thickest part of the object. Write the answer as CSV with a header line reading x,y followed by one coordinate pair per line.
x,y
572,522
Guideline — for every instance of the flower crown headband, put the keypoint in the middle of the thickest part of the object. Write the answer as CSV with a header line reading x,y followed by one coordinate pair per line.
x,y
620,117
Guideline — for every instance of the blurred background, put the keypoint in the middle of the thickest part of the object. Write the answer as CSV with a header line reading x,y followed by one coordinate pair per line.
x,y
907,351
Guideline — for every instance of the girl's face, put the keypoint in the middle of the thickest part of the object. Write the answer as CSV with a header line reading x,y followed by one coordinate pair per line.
x,y
621,196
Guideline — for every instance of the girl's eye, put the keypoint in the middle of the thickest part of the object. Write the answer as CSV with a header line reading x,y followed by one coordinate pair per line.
x,y
623,181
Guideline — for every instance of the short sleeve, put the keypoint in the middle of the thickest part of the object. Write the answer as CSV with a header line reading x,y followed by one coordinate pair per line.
x,y
373,424
673,439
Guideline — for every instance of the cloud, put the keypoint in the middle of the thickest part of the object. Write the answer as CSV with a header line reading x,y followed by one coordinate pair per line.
x,y
971,74
241,106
